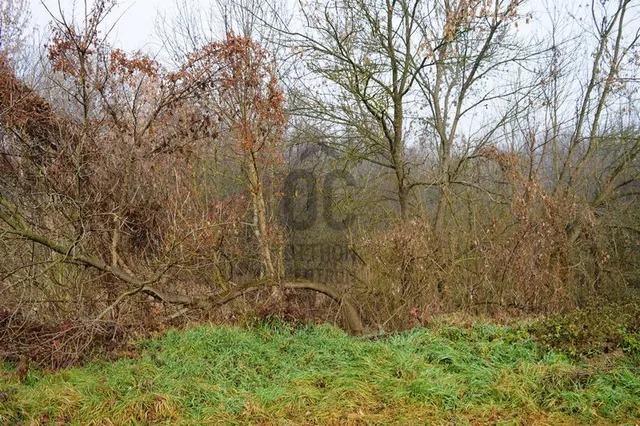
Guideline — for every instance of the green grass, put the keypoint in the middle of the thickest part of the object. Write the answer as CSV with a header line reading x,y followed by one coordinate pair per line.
x,y
274,374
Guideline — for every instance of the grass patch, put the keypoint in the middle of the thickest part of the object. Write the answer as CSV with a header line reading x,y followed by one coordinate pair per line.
x,y
274,374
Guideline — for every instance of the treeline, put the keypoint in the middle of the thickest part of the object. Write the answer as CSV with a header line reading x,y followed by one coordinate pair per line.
x,y
391,160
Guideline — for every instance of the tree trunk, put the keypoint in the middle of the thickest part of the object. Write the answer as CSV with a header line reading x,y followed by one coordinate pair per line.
x,y
260,216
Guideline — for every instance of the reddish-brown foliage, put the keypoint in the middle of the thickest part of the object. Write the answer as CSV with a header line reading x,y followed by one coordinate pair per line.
x,y
237,79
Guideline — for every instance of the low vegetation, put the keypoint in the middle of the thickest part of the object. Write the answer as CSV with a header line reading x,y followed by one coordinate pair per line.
x,y
451,372
592,331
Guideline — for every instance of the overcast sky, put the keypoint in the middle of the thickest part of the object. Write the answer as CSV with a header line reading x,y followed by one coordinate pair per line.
x,y
136,19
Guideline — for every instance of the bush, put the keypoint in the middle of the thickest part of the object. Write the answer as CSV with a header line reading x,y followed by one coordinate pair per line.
x,y
593,330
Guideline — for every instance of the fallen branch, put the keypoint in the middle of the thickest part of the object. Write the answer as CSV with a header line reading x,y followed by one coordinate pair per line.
x,y
18,226
350,313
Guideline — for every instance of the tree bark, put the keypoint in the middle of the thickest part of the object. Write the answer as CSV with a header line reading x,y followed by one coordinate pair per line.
x,y
260,216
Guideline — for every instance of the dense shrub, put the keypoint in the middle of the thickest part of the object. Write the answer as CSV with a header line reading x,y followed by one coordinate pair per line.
x,y
596,329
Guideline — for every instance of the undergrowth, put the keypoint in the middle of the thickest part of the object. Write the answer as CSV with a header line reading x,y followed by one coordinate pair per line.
x,y
273,373
594,330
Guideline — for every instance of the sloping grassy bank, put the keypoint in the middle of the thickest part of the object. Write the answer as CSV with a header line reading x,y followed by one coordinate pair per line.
x,y
274,374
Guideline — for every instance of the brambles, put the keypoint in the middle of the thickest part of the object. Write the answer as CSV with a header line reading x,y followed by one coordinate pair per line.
x,y
596,329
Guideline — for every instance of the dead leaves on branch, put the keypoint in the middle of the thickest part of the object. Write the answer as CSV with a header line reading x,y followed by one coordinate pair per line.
x,y
236,79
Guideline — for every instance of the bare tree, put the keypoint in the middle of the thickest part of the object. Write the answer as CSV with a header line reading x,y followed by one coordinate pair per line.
x,y
193,25
361,61
477,52
371,66
14,19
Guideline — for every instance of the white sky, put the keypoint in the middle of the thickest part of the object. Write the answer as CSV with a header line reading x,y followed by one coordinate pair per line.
x,y
136,19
